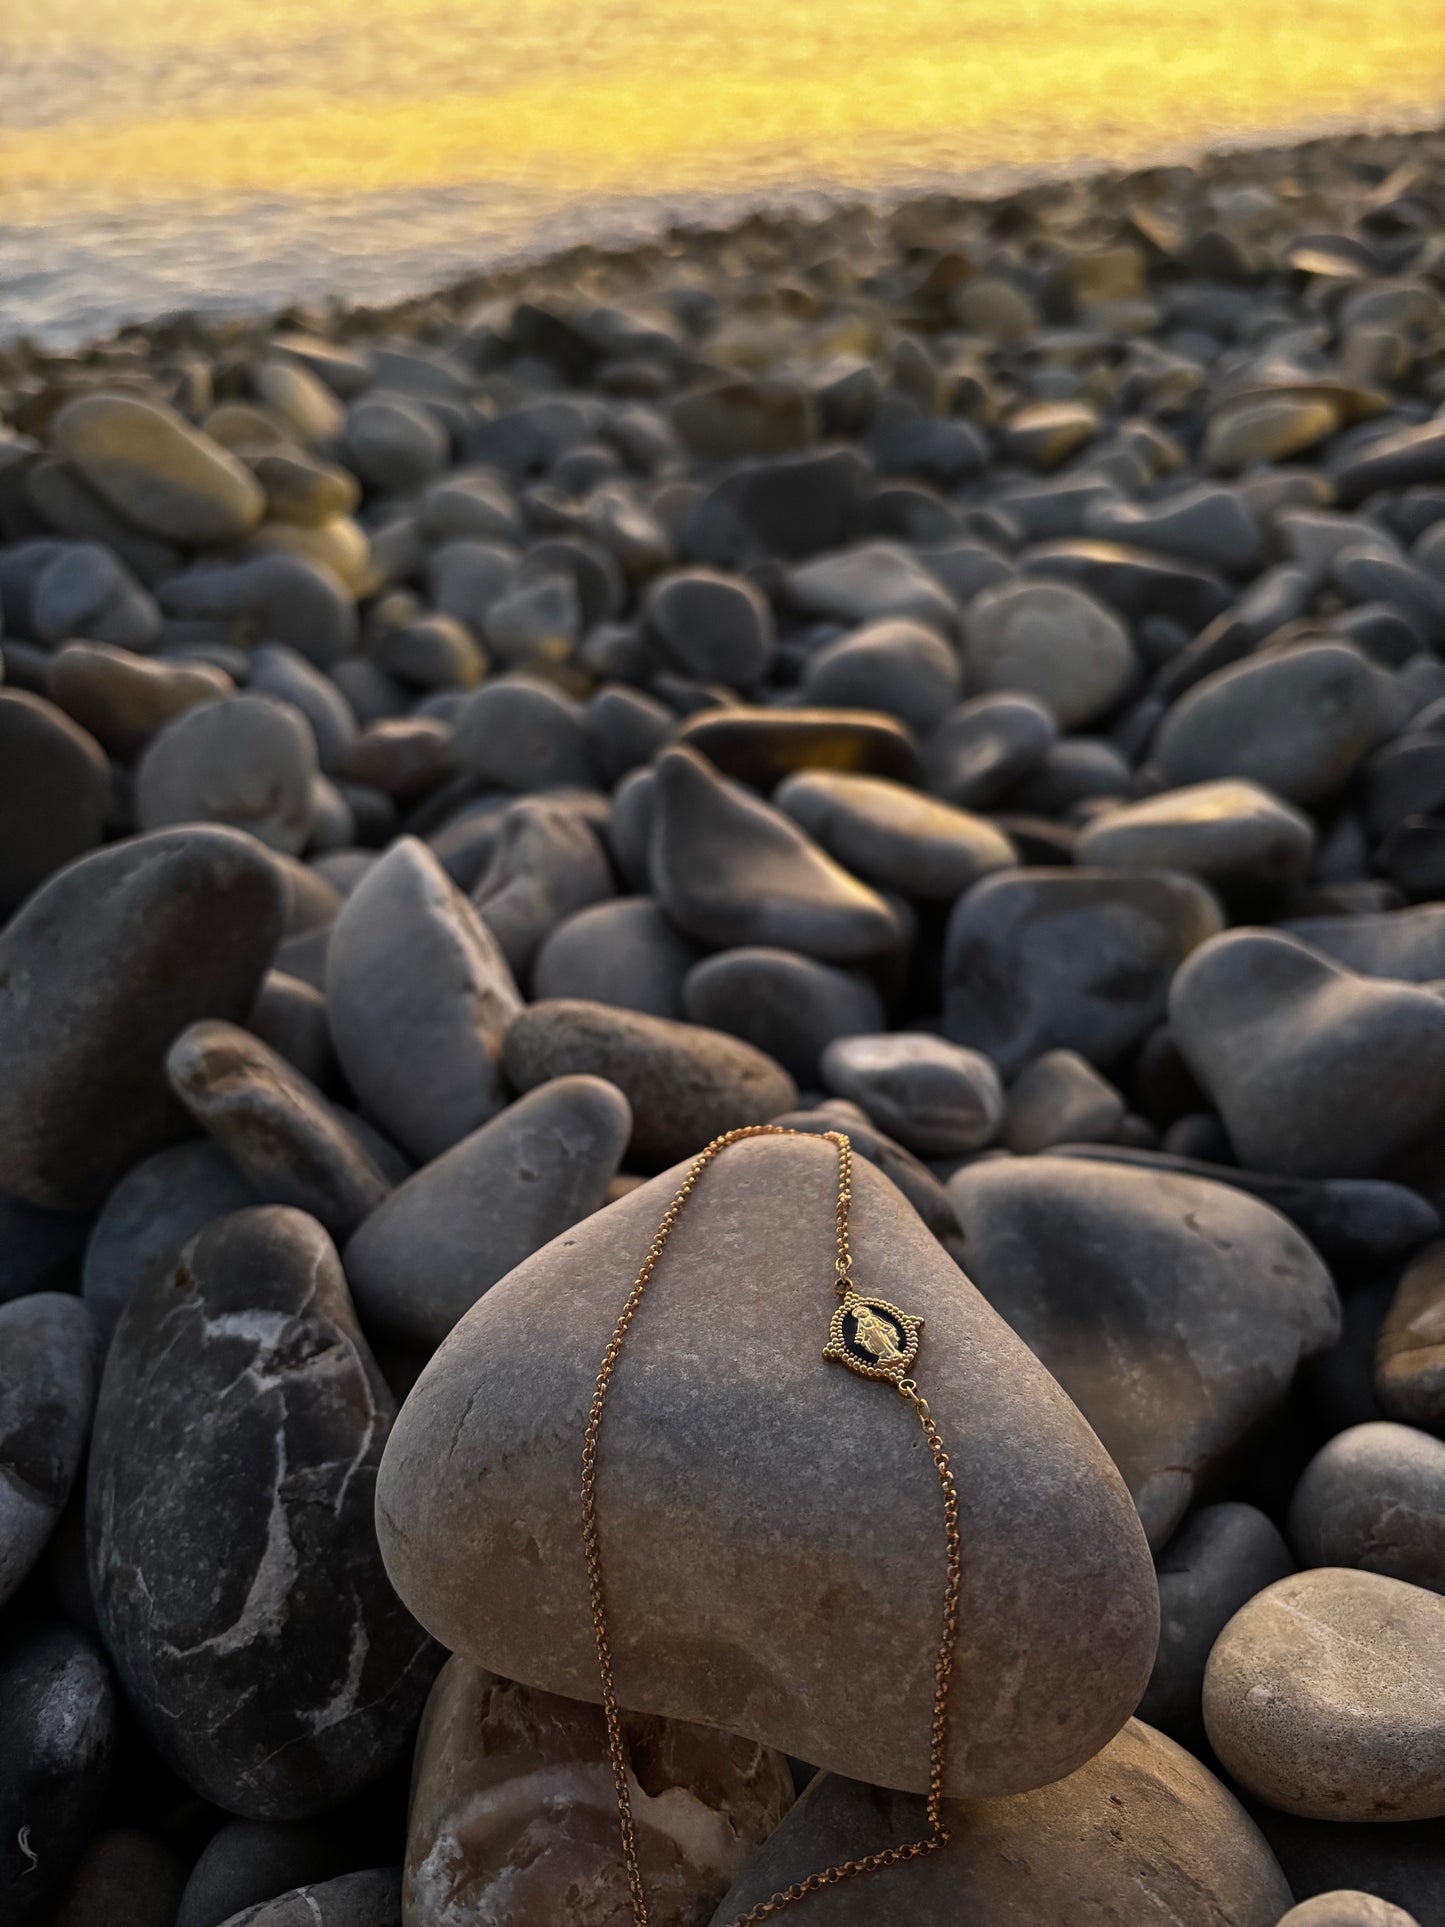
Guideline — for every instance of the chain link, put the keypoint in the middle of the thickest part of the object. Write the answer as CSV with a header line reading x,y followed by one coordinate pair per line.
x,y
591,1544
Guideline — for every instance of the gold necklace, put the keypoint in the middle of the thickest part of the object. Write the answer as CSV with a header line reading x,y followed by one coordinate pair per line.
x,y
876,1340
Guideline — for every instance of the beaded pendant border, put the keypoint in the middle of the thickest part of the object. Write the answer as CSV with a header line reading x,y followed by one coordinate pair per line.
x,y
873,1338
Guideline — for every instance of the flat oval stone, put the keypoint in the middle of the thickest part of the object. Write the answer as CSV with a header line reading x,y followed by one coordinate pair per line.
x,y
1141,1830
49,1370
258,1639
1071,1253
418,995
1373,1497
287,1142
122,698
428,1252
1325,1696
166,477
728,868
623,952
249,761
519,734
870,583
1410,1352
1051,641
98,973
1405,458
934,1097
1317,1072
899,668
723,1394
762,746
513,1809
685,1085
54,793
1297,723
1078,959
892,836
396,445
788,1005
1230,833
57,1747
716,627
1219,1559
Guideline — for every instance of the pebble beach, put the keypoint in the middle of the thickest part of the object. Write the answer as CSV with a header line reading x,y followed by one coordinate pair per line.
x,y
966,673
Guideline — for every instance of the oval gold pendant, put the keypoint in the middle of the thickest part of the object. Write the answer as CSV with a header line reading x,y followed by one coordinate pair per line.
x,y
873,1338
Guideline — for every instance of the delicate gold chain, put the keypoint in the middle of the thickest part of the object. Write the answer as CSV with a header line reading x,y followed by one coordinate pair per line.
x,y
943,1667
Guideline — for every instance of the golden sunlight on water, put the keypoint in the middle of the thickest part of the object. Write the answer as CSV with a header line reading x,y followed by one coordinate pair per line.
x,y
331,94
113,108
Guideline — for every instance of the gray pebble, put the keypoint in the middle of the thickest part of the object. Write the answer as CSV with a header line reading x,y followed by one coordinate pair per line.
x,y
790,1006
892,836
686,1084
97,974
1374,1498
934,1097
622,952
49,1371
418,995
424,1257
1060,1099
275,1126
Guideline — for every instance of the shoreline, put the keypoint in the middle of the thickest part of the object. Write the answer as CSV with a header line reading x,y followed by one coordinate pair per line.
x,y
640,226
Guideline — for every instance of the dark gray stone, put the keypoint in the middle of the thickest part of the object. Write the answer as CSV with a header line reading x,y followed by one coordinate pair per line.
x,y
98,973
427,1254
39,1250
622,952
1051,641
248,1861
1407,944
232,1555
716,627
1060,1099
1298,722
249,761
1220,1557
727,868
1073,1252
686,1085
986,746
871,583
283,1137
902,668
54,792
1317,1072
934,1097
788,1005
759,746
57,1745
418,995
49,1370
1075,959
1374,1498
520,734
280,598
892,836
160,1204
